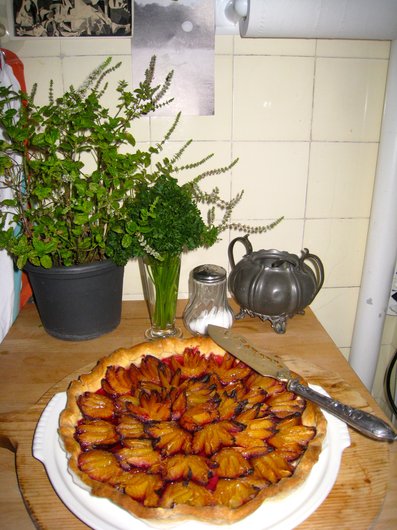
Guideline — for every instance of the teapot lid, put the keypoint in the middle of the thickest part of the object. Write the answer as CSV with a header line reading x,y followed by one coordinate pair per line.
x,y
209,273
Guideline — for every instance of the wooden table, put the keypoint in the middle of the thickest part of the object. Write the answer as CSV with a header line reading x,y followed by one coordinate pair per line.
x,y
34,366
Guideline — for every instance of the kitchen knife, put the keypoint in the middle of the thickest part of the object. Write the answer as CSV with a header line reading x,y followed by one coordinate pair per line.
x,y
239,346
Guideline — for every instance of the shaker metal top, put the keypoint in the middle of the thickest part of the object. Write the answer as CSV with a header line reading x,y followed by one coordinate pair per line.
x,y
209,273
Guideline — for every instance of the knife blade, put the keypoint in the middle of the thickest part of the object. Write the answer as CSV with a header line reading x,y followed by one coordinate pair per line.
x,y
264,364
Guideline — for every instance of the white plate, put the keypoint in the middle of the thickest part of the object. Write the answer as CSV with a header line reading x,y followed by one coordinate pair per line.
x,y
102,514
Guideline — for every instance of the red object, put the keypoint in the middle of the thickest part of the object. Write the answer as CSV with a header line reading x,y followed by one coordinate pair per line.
x,y
17,67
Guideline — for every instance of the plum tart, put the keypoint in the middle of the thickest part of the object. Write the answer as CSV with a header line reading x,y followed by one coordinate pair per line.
x,y
180,429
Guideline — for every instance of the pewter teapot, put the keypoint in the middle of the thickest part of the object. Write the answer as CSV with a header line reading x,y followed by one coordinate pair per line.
x,y
272,284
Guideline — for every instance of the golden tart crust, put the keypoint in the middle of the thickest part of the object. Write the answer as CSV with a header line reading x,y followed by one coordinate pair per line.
x,y
216,461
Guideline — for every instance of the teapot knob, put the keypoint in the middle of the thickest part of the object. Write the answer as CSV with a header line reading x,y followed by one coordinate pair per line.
x,y
247,244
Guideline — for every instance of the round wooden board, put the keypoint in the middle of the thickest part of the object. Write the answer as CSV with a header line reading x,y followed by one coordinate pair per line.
x,y
363,473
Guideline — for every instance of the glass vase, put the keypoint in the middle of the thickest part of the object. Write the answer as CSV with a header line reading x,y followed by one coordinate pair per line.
x,y
160,282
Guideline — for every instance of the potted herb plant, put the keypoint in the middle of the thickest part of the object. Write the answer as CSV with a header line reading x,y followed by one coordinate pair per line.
x,y
164,220
72,165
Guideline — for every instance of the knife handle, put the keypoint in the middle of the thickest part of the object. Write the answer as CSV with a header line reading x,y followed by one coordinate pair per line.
x,y
358,419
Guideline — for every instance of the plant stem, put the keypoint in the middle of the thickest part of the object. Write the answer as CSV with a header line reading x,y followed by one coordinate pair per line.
x,y
165,277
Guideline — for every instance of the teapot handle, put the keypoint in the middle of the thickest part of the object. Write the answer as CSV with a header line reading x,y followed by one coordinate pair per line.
x,y
317,265
244,240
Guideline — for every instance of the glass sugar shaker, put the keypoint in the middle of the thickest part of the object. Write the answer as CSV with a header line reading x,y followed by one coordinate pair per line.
x,y
208,303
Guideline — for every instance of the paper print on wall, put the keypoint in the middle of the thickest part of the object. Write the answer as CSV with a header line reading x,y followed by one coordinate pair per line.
x,y
181,34
72,18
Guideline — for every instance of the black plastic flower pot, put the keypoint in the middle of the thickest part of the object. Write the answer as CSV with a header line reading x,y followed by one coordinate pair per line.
x,y
79,302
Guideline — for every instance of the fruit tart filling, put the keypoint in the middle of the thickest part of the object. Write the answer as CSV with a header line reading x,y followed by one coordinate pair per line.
x,y
190,429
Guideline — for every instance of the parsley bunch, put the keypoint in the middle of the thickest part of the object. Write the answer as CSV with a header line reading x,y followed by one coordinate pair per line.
x,y
168,219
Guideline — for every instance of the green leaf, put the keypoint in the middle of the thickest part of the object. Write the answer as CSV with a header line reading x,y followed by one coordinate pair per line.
x,y
131,227
46,262
39,245
8,202
34,260
126,241
21,262
80,219
42,192
130,139
51,136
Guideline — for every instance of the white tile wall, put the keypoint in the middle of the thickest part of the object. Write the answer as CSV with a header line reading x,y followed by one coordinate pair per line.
x,y
272,97
348,99
353,48
304,118
340,242
341,178
335,308
279,171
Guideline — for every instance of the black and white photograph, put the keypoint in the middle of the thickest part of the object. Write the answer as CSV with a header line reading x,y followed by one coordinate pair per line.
x,y
72,18
182,36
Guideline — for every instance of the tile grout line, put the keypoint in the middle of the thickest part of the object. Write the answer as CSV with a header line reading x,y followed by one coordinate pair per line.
x,y
310,147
